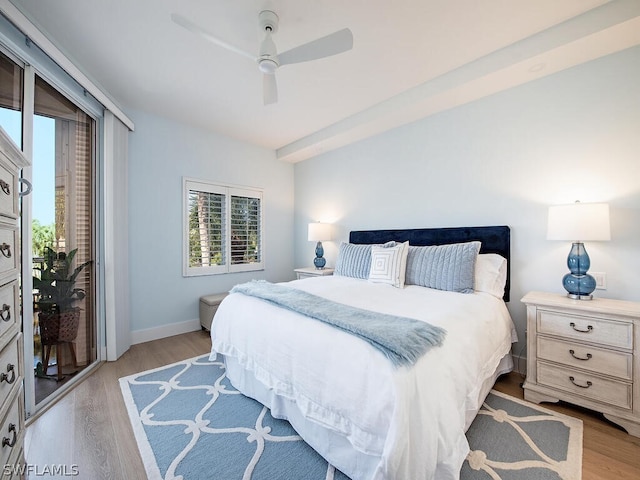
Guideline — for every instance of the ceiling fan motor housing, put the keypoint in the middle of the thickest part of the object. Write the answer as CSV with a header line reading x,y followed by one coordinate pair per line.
x,y
268,59
268,21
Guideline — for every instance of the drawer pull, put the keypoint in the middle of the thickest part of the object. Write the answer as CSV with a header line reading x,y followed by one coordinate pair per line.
x,y
578,385
5,187
5,378
5,249
573,354
5,312
5,441
588,330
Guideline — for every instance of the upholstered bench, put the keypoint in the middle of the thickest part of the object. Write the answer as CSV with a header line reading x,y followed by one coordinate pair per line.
x,y
208,306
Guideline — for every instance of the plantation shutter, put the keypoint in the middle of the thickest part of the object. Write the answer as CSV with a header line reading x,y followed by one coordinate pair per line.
x,y
223,229
207,212
246,228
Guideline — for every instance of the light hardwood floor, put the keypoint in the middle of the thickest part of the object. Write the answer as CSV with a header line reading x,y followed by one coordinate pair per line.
x,y
90,428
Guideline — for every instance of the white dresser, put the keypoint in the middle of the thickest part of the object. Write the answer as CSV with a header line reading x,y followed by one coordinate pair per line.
x,y
585,352
11,351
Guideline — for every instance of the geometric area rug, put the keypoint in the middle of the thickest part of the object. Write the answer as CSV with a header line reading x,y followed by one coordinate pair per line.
x,y
514,439
190,423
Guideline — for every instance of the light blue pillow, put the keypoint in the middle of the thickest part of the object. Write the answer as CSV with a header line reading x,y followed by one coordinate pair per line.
x,y
443,267
355,260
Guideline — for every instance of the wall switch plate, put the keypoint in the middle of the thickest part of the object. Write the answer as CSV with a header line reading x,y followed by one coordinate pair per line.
x,y
601,280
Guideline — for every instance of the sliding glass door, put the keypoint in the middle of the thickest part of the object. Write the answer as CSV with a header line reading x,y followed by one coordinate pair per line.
x,y
58,229
62,245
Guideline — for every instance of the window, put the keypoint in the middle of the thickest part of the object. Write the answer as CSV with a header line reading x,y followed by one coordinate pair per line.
x,y
222,228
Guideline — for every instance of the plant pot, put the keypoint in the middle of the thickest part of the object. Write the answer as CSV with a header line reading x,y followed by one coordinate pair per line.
x,y
59,327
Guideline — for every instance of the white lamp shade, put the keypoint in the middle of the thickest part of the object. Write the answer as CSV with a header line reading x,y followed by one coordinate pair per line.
x,y
579,222
319,232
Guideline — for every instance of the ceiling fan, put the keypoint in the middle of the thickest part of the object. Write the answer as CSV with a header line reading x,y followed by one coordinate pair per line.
x,y
268,58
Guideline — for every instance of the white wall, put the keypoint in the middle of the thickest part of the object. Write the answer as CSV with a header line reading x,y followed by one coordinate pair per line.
x,y
161,152
501,160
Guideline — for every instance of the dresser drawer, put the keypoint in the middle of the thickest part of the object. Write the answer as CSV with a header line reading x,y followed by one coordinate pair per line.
x,y
8,314
586,329
11,430
8,253
10,369
594,359
611,392
8,194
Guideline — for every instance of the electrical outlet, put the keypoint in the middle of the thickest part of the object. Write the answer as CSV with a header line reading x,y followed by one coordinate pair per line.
x,y
601,280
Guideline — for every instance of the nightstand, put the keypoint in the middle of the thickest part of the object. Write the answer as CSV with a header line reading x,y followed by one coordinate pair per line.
x,y
585,352
308,272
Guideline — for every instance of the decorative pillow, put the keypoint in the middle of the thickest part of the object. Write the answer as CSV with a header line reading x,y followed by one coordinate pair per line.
x,y
355,260
443,267
491,274
389,264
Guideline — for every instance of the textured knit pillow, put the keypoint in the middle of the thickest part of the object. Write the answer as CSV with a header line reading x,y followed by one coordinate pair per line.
x,y
443,267
355,260
388,265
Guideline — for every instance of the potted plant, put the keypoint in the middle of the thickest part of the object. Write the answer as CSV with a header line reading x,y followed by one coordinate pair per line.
x,y
57,316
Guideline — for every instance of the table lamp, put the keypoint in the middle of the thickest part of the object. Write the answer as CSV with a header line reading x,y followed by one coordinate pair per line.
x,y
578,222
317,233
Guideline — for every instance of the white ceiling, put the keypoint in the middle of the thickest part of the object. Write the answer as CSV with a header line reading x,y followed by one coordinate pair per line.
x,y
411,58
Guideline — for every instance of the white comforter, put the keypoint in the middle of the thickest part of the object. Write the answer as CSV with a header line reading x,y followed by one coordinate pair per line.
x,y
402,423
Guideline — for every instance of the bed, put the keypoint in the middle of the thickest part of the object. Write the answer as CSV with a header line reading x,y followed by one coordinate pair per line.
x,y
369,417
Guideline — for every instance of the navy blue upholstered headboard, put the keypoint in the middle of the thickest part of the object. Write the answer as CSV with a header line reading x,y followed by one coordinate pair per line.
x,y
494,239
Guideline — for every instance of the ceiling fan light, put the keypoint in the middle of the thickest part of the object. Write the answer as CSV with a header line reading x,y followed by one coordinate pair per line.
x,y
268,66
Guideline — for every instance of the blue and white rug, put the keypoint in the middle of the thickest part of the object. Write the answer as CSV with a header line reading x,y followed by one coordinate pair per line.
x,y
191,423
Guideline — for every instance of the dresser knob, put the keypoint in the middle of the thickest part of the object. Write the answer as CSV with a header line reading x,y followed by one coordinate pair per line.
x,y
5,441
5,312
578,385
4,377
5,187
573,354
5,249
588,330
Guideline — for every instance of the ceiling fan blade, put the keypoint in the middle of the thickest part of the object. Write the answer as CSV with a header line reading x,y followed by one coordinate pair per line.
x,y
269,89
332,44
192,27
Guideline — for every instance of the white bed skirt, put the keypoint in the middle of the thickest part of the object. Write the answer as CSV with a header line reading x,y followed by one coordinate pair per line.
x,y
340,451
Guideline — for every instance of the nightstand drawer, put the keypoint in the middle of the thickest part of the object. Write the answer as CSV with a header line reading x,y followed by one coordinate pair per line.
x,y
586,329
611,392
309,272
594,359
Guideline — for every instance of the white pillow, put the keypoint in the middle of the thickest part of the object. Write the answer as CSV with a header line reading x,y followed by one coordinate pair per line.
x,y
389,264
491,274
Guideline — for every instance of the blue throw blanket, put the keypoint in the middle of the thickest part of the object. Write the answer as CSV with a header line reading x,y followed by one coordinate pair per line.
x,y
403,340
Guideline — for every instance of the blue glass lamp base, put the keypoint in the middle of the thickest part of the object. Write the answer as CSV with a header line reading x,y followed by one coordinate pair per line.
x,y
579,284
579,287
319,261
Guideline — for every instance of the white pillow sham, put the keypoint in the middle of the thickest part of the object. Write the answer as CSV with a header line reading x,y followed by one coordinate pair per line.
x,y
389,264
491,274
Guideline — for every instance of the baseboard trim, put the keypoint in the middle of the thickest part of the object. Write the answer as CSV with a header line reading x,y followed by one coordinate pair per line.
x,y
156,333
520,364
